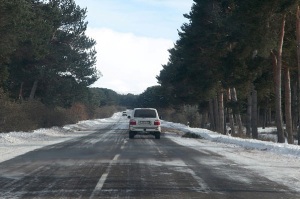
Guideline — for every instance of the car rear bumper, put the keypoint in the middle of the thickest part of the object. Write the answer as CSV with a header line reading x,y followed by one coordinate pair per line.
x,y
145,129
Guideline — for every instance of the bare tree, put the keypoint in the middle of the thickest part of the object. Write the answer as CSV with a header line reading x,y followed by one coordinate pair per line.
x,y
277,63
237,114
254,114
221,112
212,115
216,113
33,90
298,58
249,111
288,106
230,114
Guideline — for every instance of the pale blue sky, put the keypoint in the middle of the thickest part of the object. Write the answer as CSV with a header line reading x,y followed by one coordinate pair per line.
x,y
133,36
151,18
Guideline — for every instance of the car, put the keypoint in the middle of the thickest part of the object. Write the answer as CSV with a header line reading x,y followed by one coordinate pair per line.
x,y
124,113
144,121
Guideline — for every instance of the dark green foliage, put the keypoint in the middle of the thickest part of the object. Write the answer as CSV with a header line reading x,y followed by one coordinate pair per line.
x,y
192,71
50,48
154,97
14,15
129,100
46,65
226,44
104,97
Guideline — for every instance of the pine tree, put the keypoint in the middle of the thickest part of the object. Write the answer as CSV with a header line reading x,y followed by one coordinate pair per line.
x,y
55,51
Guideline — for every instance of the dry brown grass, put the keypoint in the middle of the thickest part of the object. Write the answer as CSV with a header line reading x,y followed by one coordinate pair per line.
x,y
31,115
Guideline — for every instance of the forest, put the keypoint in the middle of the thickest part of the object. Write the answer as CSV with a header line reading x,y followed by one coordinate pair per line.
x,y
239,62
235,66
47,64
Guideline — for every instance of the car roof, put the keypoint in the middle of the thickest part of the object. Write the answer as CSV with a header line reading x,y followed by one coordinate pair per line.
x,y
144,108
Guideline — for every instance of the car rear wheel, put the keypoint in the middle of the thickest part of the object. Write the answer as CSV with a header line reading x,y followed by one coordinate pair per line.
x,y
157,135
131,135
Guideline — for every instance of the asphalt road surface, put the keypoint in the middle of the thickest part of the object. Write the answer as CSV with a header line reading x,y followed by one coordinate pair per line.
x,y
106,164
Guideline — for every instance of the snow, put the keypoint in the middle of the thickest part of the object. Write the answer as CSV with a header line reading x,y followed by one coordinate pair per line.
x,y
284,149
17,143
278,162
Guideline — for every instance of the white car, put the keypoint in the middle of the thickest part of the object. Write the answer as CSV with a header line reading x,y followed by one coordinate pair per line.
x,y
144,121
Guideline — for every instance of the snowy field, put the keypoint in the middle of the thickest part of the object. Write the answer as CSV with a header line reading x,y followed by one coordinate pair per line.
x,y
278,162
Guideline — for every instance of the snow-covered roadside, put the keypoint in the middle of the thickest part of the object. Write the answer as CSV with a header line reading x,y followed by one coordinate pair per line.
x,y
284,149
17,143
277,162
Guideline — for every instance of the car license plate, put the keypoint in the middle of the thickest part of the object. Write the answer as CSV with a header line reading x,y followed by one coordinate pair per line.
x,y
144,122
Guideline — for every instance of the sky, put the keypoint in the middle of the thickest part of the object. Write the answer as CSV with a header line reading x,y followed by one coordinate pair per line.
x,y
133,38
275,161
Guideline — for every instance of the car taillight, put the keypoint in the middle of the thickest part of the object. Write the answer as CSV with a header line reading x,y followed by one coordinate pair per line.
x,y
156,122
132,122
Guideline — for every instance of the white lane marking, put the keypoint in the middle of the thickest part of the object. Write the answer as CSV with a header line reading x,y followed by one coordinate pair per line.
x,y
203,186
123,146
160,151
103,178
116,157
101,182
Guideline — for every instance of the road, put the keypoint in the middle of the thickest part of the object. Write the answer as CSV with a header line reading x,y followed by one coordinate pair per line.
x,y
106,164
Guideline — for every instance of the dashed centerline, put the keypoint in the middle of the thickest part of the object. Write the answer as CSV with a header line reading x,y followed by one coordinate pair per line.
x,y
103,178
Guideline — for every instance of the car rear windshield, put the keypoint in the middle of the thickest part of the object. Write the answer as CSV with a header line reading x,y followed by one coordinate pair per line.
x,y
145,113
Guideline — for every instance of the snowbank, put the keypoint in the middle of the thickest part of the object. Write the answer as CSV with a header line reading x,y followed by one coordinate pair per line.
x,y
284,149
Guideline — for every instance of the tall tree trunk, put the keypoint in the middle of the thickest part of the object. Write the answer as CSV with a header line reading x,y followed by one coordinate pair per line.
x,y
221,112
294,107
216,111
249,111
237,114
203,120
264,118
277,75
230,114
259,120
270,116
33,90
288,108
21,92
254,115
298,58
212,115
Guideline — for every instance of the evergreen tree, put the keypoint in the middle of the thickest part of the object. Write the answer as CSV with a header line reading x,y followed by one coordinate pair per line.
x,y
154,97
55,51
14,19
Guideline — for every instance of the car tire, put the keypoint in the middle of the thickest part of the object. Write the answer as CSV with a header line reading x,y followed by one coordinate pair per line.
x,y
157,135
131,135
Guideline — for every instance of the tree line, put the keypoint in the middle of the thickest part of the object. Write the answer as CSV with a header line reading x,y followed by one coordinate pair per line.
x,y
239,61
47,63
236,62
45,53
